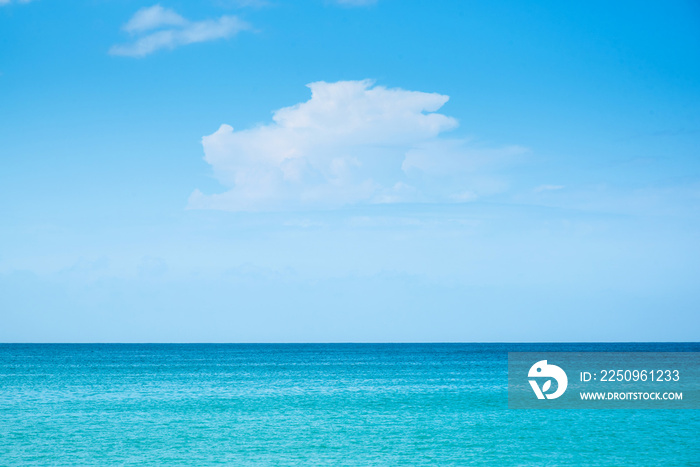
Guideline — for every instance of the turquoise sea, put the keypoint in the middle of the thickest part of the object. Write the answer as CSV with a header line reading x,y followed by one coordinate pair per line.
x,y
311,404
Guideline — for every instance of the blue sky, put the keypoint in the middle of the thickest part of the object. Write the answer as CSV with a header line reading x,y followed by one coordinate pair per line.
x,y
326,171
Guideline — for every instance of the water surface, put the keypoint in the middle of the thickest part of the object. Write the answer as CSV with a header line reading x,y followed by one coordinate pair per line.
x,y
315,404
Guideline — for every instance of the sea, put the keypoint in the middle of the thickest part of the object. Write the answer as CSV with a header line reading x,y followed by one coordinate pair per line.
x,y
312,404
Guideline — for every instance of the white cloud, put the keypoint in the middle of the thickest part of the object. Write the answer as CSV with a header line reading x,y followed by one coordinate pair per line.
x,y
152,18
169,30
352,142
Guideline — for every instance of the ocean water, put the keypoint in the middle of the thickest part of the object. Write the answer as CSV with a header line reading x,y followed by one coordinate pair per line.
x,y
315,404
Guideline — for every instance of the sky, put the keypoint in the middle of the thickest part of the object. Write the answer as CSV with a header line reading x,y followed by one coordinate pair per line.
x,y
349,171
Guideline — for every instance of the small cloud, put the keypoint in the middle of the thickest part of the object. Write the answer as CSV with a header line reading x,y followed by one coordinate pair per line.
x,y
351,143
170,30
152,18
542,188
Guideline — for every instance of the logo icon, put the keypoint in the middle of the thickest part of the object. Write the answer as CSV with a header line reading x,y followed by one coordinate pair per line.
x,y
542,370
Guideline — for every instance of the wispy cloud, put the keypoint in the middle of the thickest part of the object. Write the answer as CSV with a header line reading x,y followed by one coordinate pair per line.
x,y
542,188
152,18
352,142
7,2
156,28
